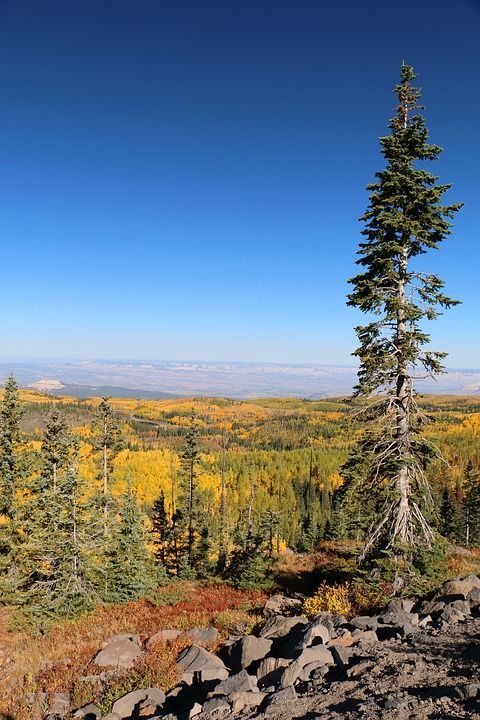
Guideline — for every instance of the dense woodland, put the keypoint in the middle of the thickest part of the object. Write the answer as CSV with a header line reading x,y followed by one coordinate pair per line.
x,y
104,499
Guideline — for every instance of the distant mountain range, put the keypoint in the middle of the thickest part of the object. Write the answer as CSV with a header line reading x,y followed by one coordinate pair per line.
x,y
164,379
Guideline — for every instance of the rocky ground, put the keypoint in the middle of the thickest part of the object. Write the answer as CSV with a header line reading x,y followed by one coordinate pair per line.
x,y
417,660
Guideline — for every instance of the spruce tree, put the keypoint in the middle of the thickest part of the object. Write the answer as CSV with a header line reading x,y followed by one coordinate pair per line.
x,y
404,220
108,440
187,511
471,507
11,475
57,554
128,566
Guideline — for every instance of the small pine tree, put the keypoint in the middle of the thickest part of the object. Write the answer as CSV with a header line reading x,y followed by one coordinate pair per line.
x,y
12,472
128,567
58,552
471,507
108,440
450,517
187,511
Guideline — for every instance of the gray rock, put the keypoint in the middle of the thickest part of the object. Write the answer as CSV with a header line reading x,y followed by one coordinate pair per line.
x,y
291,674
242,700
111,716
149,700
241,682
316,653
216,707
317,670
466,692
281,698
119,652
89,712
59,704
204,636
364,622
248,650
473,598
365,637
167,636
280,626
270,670
195,660
123,636
281,605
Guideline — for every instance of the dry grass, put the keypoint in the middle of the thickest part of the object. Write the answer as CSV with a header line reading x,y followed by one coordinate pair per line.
x,y
56,661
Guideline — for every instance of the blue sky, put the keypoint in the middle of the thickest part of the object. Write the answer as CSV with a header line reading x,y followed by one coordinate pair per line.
x,y
183,179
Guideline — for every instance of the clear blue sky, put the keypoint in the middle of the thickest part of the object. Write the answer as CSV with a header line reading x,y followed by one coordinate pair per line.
x,y
183,179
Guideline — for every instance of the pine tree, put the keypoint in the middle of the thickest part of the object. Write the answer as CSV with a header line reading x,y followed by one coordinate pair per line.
x,y
11,476
128,566
187,511
57,555
108,440
450,517
471,507
404,220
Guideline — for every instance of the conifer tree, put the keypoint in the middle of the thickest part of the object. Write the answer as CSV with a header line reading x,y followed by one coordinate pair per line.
x,y
108,440
128,567
187,511
58,551
11,474
471,507
405,219
450,517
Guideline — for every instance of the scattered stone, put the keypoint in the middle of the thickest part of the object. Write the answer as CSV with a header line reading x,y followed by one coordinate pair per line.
x,y
121,651
248,650
281,698
196,661
291,674
271,669
242,700
216,707
166,636
279,626
59,704
281,605
88,712
204,636
241,682
150,699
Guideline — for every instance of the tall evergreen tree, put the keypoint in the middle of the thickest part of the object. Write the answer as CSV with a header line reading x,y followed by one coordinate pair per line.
x,y
11,474
471,507
187,511
108,440
128,569
57,552
405,219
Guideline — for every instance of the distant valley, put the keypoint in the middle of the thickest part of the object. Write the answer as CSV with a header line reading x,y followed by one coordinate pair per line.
x,y
238,380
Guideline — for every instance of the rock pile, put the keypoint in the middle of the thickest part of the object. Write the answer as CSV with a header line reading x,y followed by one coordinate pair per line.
x,y
328,667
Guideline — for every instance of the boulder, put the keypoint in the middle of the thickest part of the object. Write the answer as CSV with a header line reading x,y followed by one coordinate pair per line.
x,y
88,712
281,698
248,650
279,626
215,708
241,682
364,622
204,636
196,661
59,704
291,674
163,636
120,651
149,700
281,605
316,653
242,700
270,670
